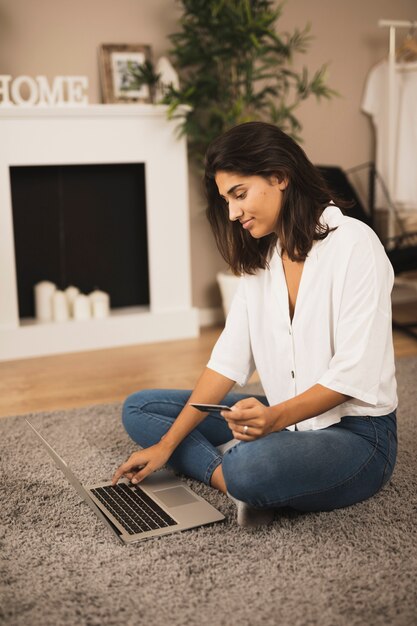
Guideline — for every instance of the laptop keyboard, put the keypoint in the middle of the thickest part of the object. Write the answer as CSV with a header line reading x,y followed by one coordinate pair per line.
x,y
133,508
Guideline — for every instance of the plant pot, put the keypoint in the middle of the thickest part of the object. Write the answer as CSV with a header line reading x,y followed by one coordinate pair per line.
x,y
227,284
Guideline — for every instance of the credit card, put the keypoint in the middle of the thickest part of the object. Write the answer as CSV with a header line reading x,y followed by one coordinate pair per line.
x,y
209,408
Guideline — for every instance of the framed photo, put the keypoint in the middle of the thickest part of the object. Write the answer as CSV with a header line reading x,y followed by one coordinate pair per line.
x,y
120,73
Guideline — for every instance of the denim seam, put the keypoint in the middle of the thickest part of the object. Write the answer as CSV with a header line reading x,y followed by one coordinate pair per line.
x,y
143,406
345,482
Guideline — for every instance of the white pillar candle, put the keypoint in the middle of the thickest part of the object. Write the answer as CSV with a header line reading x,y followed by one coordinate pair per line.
x,y
71,293
82,308
100,303
43,300
60,311
100,309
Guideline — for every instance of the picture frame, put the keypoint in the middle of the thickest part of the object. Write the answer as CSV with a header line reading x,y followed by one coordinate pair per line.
x,y
118,63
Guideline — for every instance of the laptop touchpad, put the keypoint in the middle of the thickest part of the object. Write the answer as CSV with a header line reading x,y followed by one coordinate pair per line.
x,y
175,496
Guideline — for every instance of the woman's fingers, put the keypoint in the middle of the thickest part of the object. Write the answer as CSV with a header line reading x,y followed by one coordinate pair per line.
x,y
143,473
243,417
246,434
247,419
246,404
125,468
244,420
248,413
244,410
142,463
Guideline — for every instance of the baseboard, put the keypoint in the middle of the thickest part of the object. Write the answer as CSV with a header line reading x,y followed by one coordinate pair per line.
x,y
210,316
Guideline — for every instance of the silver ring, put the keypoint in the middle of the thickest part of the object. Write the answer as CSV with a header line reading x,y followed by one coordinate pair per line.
x,y
245,429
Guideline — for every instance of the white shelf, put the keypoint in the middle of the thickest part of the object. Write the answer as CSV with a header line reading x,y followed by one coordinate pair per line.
x,y
114,313
136,325
90,110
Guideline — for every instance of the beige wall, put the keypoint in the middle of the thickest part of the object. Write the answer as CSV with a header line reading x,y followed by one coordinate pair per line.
x,y
55,37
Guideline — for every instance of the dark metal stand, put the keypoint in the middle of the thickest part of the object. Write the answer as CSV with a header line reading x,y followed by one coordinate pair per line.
x,y
402,249
407,328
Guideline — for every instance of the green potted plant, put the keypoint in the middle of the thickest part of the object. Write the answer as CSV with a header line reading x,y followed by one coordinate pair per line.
x,y
234,66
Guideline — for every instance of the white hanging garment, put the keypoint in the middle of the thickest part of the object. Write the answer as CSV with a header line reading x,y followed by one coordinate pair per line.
x,y
375,103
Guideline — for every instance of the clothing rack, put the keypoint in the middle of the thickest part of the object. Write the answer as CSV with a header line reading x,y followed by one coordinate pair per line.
x,y
392,25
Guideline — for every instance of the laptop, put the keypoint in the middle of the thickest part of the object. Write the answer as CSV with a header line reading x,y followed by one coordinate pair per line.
x,y
162,504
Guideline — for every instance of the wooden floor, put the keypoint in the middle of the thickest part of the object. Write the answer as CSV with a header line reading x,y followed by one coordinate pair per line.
x,y
104,376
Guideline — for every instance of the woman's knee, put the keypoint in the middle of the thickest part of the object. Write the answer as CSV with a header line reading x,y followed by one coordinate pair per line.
x,y
132,408
240,476
148,414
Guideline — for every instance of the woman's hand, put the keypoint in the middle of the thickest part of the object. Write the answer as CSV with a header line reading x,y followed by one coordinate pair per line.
x,y
142,463
249,419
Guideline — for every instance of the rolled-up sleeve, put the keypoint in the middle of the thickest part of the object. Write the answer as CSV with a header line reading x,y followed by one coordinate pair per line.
x,y
232,354
363,324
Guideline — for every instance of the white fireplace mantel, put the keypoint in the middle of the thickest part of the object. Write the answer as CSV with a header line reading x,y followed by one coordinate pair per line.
x,y
100,134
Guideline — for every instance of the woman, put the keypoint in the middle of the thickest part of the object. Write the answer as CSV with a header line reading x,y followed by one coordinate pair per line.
x,y
312,314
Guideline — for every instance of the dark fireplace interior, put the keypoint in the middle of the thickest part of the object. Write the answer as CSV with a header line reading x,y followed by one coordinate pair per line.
x,y
81,225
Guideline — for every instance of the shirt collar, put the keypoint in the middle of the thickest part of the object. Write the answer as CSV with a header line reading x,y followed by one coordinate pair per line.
x,y
332,217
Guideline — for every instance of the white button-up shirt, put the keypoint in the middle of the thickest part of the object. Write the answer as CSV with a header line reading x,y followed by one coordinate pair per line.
x,y
340,335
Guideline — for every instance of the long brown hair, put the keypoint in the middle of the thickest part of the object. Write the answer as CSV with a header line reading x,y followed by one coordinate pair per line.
x,y
262,149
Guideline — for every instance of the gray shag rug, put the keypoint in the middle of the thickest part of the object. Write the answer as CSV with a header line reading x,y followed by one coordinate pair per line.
x,y
60,565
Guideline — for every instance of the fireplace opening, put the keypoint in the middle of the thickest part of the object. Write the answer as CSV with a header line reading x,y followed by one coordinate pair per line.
x,y
81,225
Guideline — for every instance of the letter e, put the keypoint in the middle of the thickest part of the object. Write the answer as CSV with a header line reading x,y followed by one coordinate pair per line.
x,y
76,87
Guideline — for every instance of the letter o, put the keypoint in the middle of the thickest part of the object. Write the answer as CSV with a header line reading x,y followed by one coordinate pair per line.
x,y
33,91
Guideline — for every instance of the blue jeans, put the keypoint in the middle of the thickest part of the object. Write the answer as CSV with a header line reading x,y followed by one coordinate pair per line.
x,y
316,470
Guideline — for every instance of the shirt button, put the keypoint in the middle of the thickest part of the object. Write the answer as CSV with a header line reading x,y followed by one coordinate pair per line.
x,y
289,330
292,374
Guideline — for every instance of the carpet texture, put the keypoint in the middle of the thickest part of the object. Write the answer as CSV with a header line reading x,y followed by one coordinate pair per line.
x,y
59,565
